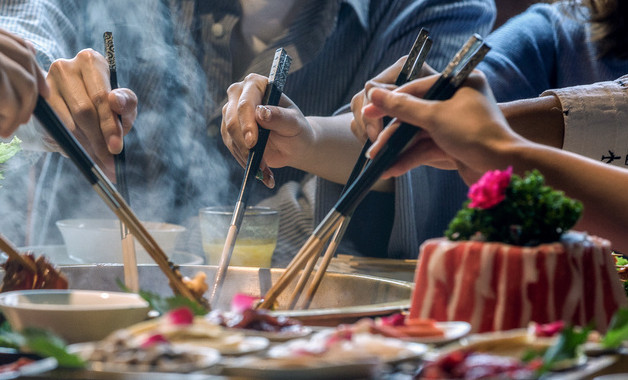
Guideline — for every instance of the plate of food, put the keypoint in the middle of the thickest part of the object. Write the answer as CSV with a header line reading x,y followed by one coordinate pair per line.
x,y
14,364
180,326
252,322
120,352
329,353
427,331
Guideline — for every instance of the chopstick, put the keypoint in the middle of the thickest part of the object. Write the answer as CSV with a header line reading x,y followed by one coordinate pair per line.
x,y
111,196
274,88
449,81
409,71
11,251
129,260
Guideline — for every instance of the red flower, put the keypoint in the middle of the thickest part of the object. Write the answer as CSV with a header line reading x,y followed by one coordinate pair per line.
x,y
180,316
154,339
490,190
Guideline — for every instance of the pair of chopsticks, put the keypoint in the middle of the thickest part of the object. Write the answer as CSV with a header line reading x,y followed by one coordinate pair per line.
x,y
11,251
111,196
449,81
274,88
409,71
129,260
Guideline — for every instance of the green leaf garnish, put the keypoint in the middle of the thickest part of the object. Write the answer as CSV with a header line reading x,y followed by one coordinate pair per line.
x,y
39,342
532,213
617,330
565,348
620,260
164,304
8,150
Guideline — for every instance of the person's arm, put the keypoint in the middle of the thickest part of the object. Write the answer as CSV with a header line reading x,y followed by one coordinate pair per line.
x,y
537,119
21,81
470,130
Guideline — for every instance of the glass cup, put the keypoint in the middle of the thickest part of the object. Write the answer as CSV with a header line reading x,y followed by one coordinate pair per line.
x,y
256,240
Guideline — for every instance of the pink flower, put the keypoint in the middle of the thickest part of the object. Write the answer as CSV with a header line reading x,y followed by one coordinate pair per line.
x,y
242,301
153,340
490,189
180,316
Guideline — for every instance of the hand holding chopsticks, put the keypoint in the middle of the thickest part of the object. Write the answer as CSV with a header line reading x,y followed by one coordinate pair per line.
x,y
449,81
274,89
409,71
111,197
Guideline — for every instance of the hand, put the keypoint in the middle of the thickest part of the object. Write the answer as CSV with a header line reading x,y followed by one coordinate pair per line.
x,y
21,81
82,97
290,132
363,126
467,130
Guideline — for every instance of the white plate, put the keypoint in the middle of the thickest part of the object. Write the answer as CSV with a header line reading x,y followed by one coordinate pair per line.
x,y
31,369
263,369
248,345
282,363
206,357
58,255
452,331
298,331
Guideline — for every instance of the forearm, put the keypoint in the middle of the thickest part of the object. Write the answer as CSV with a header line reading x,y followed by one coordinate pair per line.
x,y
537,119
595,184
334,151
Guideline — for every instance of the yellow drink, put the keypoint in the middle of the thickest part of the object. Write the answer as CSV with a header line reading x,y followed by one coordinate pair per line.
x,y
247,252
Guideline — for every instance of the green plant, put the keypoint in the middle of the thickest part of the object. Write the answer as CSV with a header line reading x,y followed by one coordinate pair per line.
x,y
513,210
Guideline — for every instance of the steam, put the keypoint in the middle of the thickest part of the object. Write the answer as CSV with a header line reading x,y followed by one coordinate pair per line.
x,y
174,167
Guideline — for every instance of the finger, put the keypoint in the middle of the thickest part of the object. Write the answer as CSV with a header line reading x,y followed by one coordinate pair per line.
x,y
18,93
252,94
230,125
389,75
404,107
123,102
95,73
381,140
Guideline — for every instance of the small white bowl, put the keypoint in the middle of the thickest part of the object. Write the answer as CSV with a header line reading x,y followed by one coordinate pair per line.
x,y
74,315
98,240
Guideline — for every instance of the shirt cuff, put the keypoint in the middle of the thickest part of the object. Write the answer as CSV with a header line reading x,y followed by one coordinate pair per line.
x,y
595,118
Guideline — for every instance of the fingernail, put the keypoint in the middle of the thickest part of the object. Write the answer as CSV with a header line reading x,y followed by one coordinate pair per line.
x,y
368,152
369,93
114,144
121,99
264,113
269,179
248,139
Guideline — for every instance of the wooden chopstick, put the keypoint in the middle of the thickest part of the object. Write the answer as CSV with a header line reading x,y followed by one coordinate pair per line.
x,y
129,260
274,88
450,80
409,71
11,251
111,196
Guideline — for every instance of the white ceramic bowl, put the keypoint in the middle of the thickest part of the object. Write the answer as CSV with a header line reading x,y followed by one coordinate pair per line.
x,y
98,240
74,315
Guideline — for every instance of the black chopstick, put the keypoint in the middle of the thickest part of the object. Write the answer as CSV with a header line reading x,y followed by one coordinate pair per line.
x,y
55,128
409,71
274,88
450,80
452,77
120,158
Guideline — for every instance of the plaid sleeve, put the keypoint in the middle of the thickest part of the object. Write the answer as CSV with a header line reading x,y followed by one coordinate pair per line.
x,y
48,24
